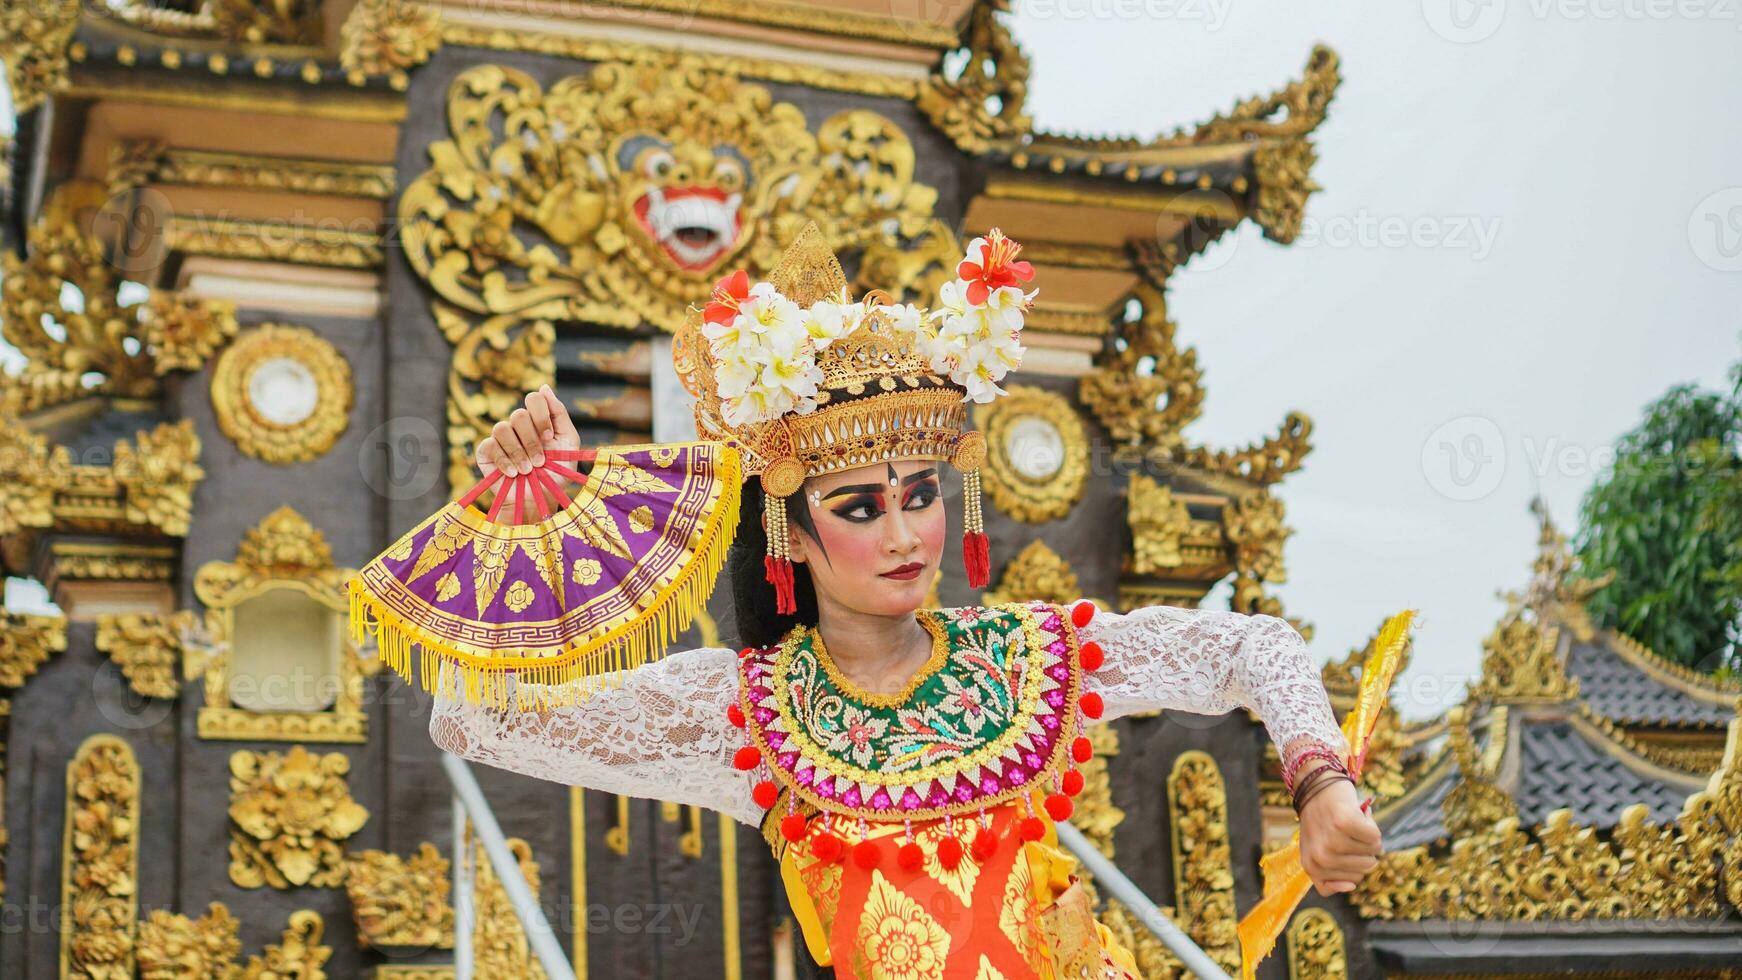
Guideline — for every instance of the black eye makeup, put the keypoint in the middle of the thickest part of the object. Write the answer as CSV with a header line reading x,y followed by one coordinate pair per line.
x,y
859,508
921,495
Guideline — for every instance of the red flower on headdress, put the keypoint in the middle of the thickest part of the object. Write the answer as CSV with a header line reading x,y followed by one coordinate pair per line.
x,y
997,267
728,293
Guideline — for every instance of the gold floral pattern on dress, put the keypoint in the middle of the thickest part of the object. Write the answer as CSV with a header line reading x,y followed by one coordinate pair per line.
x,y
641,519
960,882
519,596
447,587
663,455
987,970
1018,918
897,939
587,571
401,549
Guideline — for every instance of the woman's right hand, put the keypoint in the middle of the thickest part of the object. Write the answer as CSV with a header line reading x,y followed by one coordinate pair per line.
x,y
516,444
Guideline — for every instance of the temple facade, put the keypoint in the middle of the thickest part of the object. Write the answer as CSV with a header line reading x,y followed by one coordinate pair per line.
x,y
271,270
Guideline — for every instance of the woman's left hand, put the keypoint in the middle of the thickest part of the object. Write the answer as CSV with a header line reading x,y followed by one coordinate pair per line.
x,y
1339,842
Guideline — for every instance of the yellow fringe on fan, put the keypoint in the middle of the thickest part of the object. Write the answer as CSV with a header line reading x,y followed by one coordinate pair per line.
x,y
575,672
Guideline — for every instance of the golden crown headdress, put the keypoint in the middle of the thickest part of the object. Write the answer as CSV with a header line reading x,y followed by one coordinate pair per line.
x,y
803,380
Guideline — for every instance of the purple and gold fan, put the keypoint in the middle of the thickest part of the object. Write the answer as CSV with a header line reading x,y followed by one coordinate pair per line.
x,y
596,586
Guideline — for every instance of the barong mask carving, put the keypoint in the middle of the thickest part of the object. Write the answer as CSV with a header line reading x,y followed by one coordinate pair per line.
x,y
618,197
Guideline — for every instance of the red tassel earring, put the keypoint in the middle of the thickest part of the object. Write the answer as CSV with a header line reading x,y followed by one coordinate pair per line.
x,y
781,479
969,453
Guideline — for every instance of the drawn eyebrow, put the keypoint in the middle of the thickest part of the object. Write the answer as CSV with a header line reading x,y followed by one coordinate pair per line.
x,y
922,474
871,488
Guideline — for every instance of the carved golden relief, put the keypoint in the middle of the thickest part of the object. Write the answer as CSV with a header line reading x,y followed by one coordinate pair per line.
x,y
1037,459
31,472
1159,524
388,37
1203,870
1037,572
401,901
157,476
977,98
150,484
26,643
1263,463
33,44
1315,947
282,552
292,813
148,649
617,198
175,947
100,861
282,393
1149,389
1560,870
1556,591
499,944
1520,662
127,345
1476,802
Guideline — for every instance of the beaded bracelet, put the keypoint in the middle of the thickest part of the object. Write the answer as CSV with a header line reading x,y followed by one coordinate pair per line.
x,y
1315,785
1292,769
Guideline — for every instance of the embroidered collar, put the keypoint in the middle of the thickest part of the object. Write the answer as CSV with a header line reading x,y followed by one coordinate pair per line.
x,y
987,718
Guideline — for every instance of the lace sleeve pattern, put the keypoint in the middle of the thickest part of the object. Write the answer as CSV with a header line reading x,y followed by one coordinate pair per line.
x,y
1210,662
663,734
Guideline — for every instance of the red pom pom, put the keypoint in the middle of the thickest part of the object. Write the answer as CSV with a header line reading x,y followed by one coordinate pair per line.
x,y
828,847
1033,828
984,846
1073,783
765,794
950,853
735,715
1092,704
1058,807
792,827
1081,749
910,857
866,854
1090,656
1082,612
747,758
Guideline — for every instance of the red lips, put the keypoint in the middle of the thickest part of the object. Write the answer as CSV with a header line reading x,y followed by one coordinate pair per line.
x,y
906,572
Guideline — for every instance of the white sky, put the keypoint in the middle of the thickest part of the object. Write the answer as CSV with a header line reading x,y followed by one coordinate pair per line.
x,y
1517,238
1531,226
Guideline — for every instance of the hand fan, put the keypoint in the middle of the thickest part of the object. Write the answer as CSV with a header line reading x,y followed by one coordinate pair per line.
x,y
595,587
1285,882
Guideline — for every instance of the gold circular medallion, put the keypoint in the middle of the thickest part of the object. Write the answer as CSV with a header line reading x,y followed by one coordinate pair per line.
x,y
1037,454
783,477
970,451
282,393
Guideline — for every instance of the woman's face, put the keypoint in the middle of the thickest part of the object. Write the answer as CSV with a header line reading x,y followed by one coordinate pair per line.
x,y
879,532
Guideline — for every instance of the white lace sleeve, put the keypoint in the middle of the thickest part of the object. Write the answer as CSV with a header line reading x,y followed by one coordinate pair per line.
x,y
663,735
1209,662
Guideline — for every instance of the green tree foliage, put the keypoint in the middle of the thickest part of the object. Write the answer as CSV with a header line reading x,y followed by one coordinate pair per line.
x,y
1668,519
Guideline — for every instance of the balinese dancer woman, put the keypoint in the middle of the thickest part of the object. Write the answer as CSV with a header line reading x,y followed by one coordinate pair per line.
x,y
906,765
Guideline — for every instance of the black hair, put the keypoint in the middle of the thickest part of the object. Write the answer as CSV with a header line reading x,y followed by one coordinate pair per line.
x,y
752,594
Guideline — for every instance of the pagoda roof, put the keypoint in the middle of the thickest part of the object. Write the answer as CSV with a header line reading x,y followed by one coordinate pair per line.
x,y
1630,685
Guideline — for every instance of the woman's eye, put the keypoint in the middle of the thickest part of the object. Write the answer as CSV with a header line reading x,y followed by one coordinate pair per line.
x,y
859,512
922,496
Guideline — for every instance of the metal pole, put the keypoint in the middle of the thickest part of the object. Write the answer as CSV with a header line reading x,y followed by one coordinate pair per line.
x,y
462,895
1113,881
538,932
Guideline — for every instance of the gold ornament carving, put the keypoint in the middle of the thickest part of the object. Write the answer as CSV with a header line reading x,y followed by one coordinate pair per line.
x,y
148,649
31,472
1159,524
127,346
499,944
282,552
388,37
1037,572
292,814
100,861
401,901
26,643
1261,464
174,947
1520,662
1285,182
977,98
1295,110
1315,947
1149,389
250,426
1203,870
1475,803
276,241
1556,591
208,168
1560,870
33,44
267,21
157,476
1032,499
556,205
